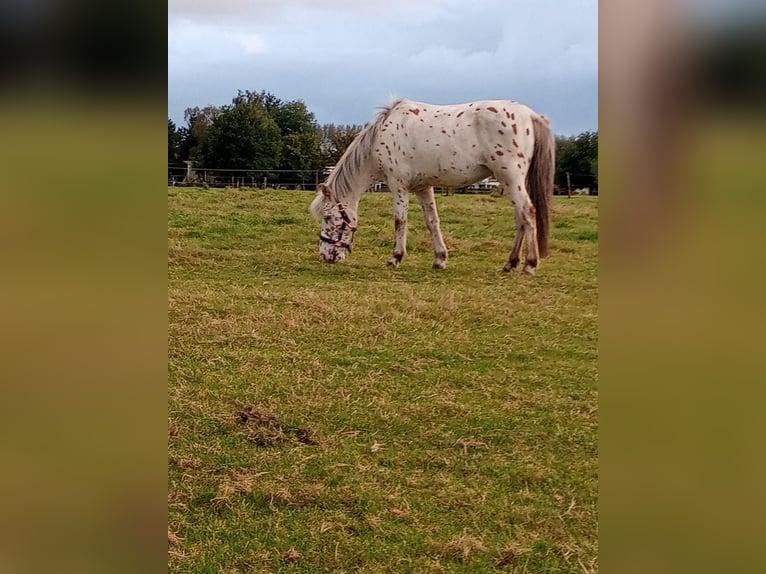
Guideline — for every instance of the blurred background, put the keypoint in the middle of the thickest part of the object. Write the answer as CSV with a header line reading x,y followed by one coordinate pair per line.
x,y
83,306
682,112
82,300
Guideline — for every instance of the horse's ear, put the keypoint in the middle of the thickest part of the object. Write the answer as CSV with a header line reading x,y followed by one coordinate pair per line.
x,y
324,189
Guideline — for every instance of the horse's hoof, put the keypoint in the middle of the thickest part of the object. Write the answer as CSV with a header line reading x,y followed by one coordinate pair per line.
x,y
439,264
393,262
507,268
529,270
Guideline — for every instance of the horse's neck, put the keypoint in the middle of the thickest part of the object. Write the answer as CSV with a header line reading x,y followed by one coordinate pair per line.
x,y
350,179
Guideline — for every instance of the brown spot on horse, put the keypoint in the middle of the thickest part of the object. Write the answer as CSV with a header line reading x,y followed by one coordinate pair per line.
x,y
415,111
513,127
491,109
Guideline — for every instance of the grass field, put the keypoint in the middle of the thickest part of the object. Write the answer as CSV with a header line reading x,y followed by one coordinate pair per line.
x,y
355,418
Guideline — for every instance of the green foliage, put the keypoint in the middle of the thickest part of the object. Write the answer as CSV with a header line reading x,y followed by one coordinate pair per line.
x,y
300,135
577,155
335,140
594,167
198,121
174,143
256,131
294,118
300,151
242,136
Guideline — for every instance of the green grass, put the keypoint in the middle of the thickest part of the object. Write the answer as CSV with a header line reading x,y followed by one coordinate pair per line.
x,y
354,418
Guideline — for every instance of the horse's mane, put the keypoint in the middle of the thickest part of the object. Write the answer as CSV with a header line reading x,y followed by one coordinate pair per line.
x,y
342,180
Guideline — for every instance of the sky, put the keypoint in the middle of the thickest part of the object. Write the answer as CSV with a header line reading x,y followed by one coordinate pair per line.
x,y
347,58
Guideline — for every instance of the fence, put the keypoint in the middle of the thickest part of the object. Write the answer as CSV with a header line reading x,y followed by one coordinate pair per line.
x,y
279,179
577,183
570,183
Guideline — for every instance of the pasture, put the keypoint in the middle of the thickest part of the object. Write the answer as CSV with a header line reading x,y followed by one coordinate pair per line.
x,y
355,418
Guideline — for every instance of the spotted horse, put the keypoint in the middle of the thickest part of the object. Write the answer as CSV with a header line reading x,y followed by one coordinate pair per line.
x,y
414,146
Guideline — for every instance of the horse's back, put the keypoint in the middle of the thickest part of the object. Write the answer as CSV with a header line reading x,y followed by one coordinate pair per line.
x,y
455,144
484,121
509,106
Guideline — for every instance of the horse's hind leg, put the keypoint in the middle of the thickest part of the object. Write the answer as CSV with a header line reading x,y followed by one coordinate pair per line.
x,y
515,187
431,216
401,205
513,259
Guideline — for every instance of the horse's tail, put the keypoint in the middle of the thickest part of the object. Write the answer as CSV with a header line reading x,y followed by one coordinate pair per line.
x,y
540,178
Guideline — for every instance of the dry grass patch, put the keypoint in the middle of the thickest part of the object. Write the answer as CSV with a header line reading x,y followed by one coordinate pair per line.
x,y
461,548
265,430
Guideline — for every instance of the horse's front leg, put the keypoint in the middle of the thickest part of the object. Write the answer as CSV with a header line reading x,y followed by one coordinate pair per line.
x,y
401,206
431,216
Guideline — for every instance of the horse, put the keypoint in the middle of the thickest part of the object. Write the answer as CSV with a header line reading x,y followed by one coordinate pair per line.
x,y
414,146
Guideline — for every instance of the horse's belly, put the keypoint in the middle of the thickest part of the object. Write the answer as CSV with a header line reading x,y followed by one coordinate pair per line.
x,y
459,176
441,171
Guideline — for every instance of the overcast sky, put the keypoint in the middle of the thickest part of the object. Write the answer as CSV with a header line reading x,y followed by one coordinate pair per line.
x,y
345,58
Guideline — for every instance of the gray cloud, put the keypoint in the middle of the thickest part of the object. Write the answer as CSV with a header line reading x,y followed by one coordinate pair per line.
x,y
247,10
344,64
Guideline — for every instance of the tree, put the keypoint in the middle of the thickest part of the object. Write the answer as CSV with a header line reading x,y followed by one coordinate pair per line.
x,y
193,135
242,136
565,159
300,137
294,118
261,132
263,99
301,153
594,170
335,140
174,143
577,156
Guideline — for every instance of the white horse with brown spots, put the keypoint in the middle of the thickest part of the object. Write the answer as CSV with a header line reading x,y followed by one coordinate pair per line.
x,y
414,146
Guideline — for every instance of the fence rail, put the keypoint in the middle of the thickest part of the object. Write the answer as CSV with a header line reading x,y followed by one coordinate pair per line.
x,y
284,179
308,179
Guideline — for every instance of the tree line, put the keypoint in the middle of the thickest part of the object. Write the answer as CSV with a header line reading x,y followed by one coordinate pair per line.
x,y
578,157
261,132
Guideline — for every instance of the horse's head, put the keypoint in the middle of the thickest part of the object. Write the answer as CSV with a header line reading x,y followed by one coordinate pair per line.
x,y
338,225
